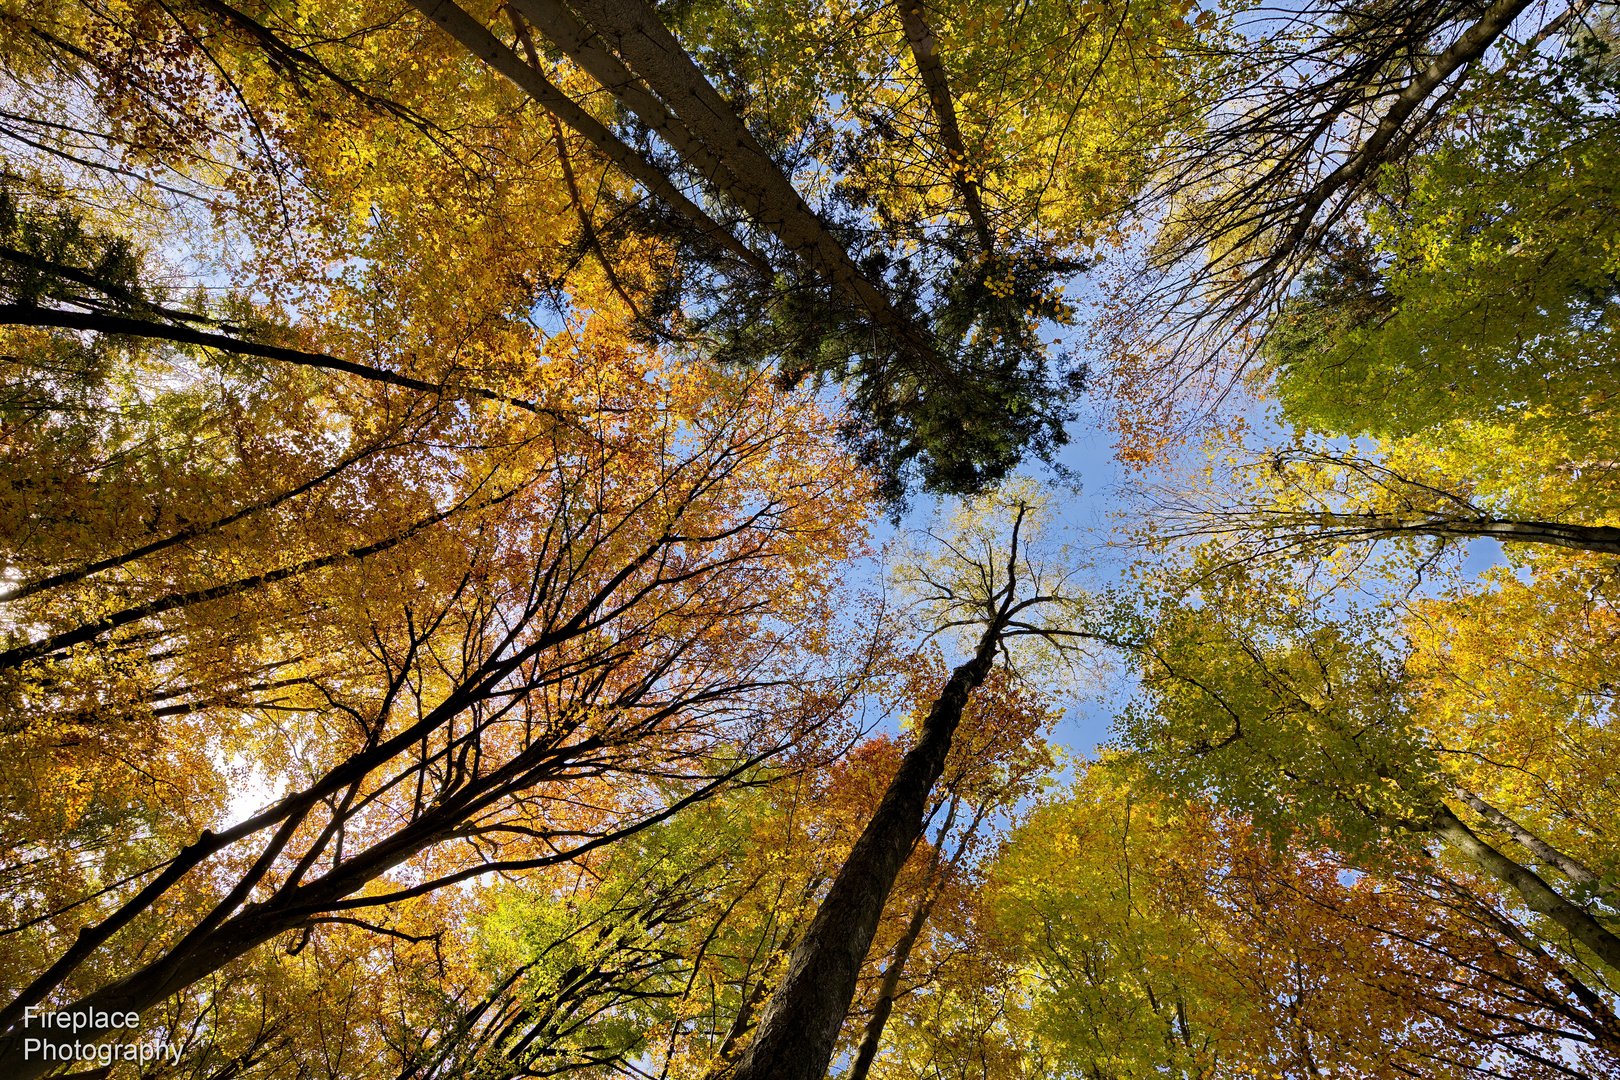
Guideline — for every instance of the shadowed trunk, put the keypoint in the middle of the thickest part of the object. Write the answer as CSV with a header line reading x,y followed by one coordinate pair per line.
x,y
872,1037
799,1028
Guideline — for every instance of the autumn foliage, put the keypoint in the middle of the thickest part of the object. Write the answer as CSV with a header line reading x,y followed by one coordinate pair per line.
x,y
536,540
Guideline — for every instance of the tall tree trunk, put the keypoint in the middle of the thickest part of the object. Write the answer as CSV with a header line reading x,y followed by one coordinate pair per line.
x,y
749,177
925,51
799,1028
476,39
1536,893
889,988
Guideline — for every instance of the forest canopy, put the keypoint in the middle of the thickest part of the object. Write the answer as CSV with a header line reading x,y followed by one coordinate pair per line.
x,y
878,541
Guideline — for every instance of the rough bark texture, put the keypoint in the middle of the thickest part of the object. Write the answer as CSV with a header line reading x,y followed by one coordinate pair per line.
x,y
477,39
585,48
889,989
749,177
799,1028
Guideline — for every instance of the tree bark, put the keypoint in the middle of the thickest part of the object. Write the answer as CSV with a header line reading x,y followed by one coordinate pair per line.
x,y
1536,893
749,177
799,1028
1567,865
889,990
476,39
585,47
924,50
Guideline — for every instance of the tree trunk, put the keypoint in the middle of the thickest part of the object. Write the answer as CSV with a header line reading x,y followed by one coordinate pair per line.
x,y
872,1037
1600,538
889,989
476,39
800,1025
128,326
84,632
1536,893
1570,867
746,173
924,50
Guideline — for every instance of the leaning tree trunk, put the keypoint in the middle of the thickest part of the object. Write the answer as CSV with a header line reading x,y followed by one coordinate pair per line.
x,y
799,1028
1536,893
1566,864
889,991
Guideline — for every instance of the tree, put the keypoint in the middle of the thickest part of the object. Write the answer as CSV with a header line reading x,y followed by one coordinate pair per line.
x,y
663,949
1326,108
936,334
604,612
1308,725
1471,302
988,585
1304,499
1181,943
997,761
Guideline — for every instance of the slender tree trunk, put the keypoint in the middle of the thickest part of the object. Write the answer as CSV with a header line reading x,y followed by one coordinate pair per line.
x,y
1600,538
1567,865
174,601
925,51
889,991
585,47
800,1025
189,533
1388,139
1536,893
101,323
